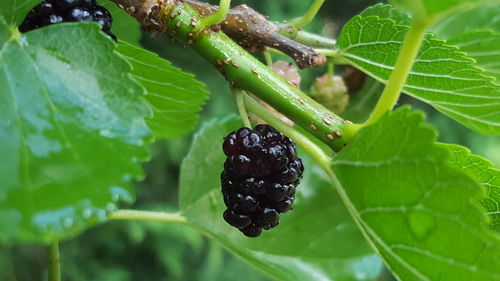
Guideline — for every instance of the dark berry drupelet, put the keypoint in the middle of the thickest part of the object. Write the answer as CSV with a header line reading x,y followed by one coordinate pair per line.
x,y
55,11
259,179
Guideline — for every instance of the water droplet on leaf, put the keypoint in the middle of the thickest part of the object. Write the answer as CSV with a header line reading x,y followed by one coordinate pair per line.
x,y
87,213
68,222
111,207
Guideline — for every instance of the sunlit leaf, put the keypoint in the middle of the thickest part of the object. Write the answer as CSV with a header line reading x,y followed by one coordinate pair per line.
x,y
477,33
484,173
441,75
481,17
72,130
421,215
432,10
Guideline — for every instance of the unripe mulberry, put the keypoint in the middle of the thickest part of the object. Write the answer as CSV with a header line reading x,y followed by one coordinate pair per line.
x,y
56,11
331,92
292,76
260,176
287,71
353,79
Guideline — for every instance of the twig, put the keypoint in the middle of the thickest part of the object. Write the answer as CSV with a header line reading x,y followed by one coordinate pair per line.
x,y
254,32
241,69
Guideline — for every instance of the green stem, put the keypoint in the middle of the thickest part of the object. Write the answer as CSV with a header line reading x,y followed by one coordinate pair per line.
x,y
309,16
330,70
407,55
240,103
138,215
275,52
304,37
314,40
54,262
243,70
315,151
327,52
268,58
219,16
148,216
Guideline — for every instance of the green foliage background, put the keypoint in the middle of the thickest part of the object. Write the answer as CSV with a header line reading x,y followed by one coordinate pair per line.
x,y
122,251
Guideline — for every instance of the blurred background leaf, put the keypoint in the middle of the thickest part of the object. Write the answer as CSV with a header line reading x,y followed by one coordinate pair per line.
x,y
124,26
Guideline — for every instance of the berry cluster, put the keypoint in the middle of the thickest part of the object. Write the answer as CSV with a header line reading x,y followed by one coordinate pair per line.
x,y
259,178
56,11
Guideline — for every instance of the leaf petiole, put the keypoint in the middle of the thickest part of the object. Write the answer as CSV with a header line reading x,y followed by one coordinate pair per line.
x,y
219,16
268,58
238,95
331,70
309,16
148,216
408,53
327,52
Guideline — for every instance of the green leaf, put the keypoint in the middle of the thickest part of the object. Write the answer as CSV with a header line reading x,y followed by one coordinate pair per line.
x,y
72,131
441,75
421,215
481,17
316,241
175,96
482,46
431,10
13,13
477,33
124,26
362,103
484,173
386,11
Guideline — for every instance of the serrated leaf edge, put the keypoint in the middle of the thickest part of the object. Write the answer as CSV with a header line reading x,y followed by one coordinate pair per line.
x,y
368,233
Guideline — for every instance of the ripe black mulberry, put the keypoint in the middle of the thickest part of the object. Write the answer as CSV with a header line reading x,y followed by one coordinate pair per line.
x,y
260,176
56,11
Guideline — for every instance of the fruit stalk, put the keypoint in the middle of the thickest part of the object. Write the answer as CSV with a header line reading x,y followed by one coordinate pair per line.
x,y
242,70
54,262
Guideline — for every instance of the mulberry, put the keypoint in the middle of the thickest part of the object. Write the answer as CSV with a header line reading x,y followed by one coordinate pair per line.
x,y
260,176
56,11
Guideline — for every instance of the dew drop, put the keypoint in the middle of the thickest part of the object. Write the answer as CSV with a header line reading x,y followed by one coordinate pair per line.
x,y
421,223
105,133
68,222
360,275
340,227
111,207
101,215
127,177
87,213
